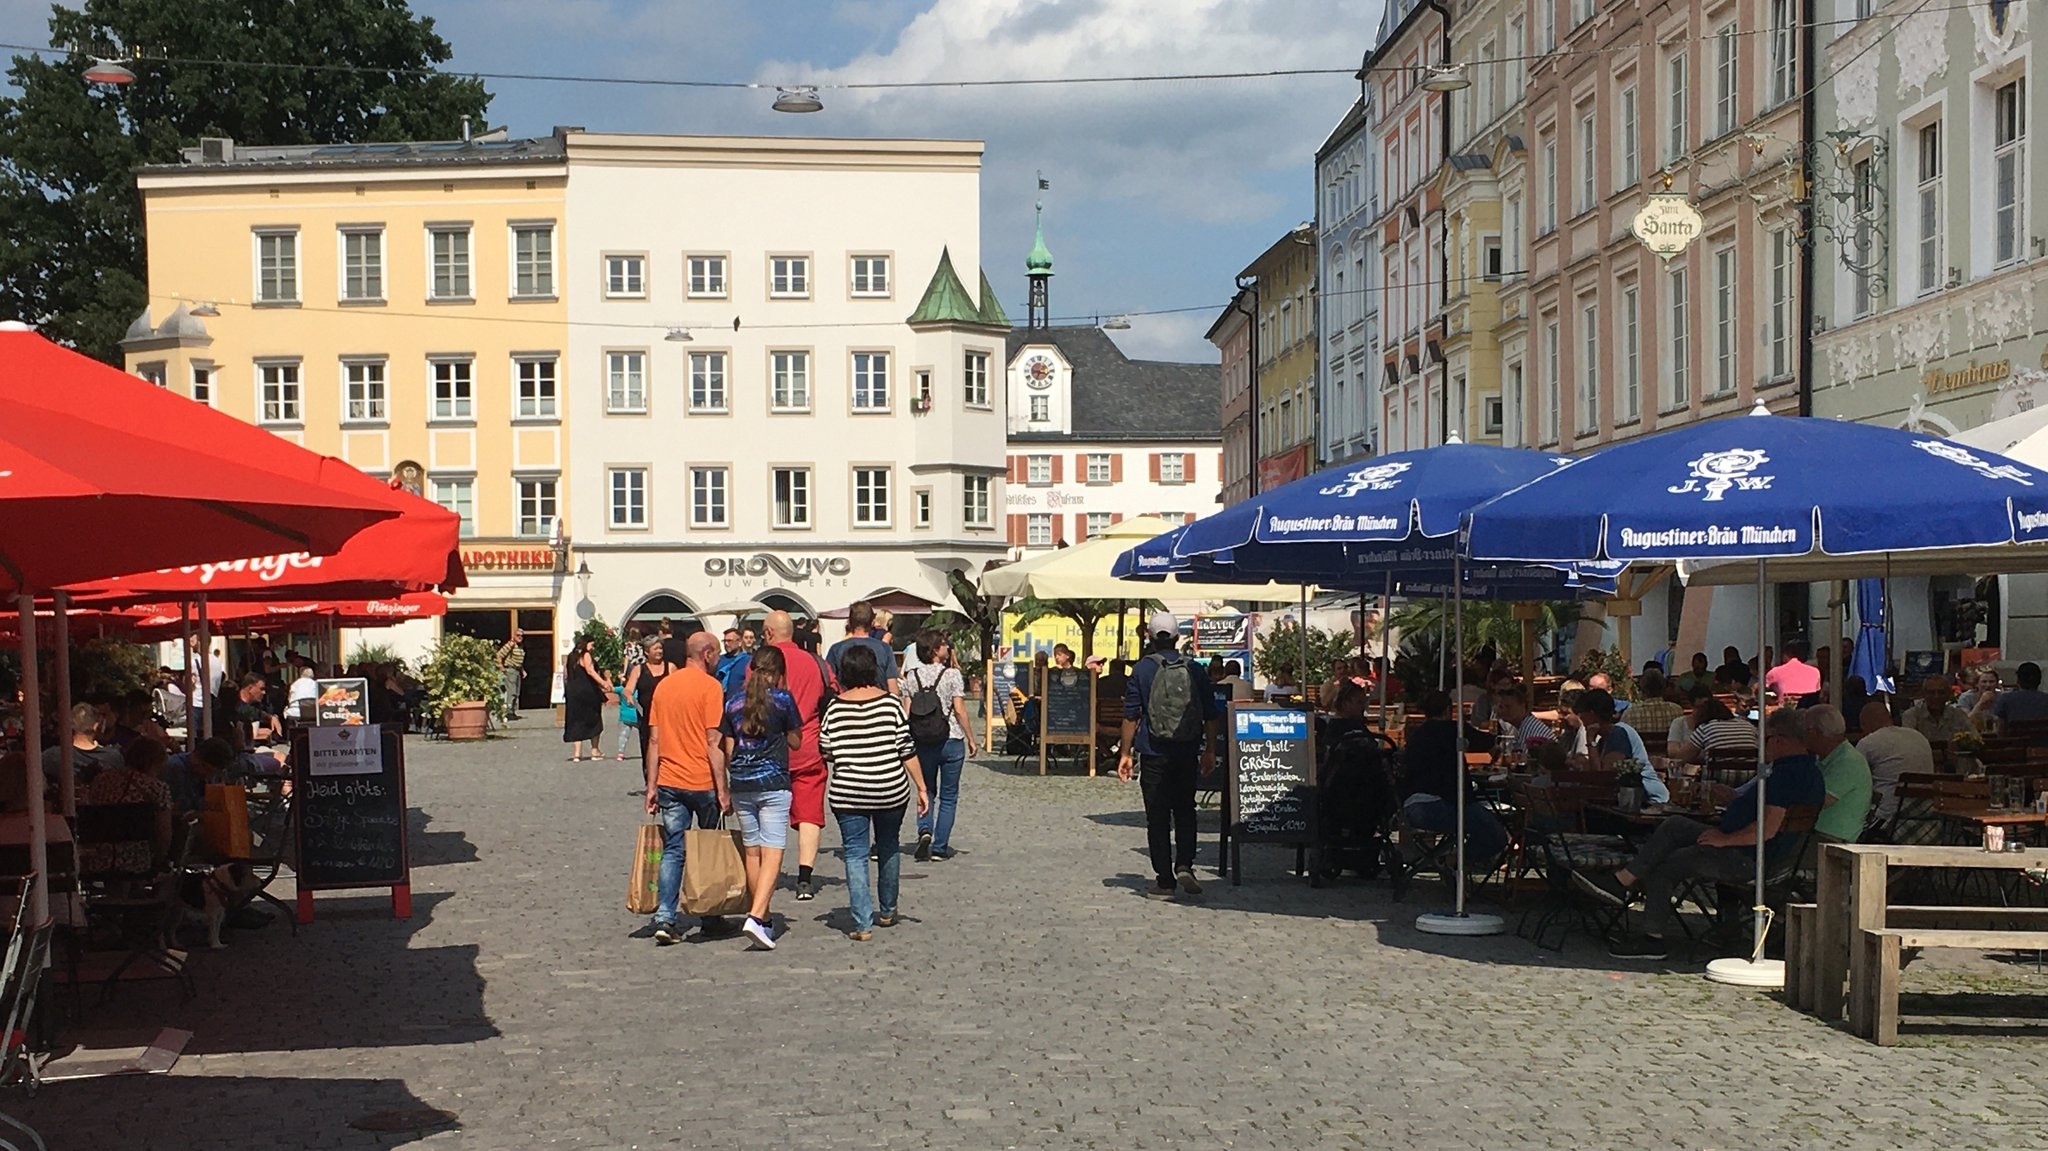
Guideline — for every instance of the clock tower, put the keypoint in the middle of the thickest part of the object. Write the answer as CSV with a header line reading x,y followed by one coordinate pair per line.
x,y
1038,268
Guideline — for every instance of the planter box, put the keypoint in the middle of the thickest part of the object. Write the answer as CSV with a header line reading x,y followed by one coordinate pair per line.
x,y
466,720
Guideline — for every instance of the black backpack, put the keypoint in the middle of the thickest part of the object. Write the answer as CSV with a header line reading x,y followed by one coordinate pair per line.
x,y
928,726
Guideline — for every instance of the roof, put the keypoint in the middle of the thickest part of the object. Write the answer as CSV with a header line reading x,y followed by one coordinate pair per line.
x,y
489,149
1289,244
947,301
1468,162
1231,309
1039,261
1116,397
992,312
1346,128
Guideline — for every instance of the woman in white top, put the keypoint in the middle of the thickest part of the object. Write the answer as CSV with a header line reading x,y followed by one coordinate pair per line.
x,y
305,689
940,762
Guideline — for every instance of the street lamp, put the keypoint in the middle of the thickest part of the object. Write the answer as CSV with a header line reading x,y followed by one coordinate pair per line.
x,y
1116,324
583,578
801,98
207,310
108,72
1446,78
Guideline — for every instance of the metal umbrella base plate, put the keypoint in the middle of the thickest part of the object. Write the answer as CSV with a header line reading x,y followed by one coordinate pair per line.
x,y
1747,972
1451,923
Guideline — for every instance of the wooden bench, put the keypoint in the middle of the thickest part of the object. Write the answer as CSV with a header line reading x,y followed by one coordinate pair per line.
x,y
1874,1008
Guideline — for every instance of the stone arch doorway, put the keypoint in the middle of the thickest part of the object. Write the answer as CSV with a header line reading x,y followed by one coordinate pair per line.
x,y
649,613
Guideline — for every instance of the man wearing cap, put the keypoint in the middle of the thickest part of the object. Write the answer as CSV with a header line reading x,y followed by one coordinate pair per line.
x,y
1170,718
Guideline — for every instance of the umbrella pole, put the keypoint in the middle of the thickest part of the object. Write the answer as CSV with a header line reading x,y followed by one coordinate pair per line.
x,y
1386,646
1458,713
206,667
67,783
185,652
32,753
1762,753
1302,682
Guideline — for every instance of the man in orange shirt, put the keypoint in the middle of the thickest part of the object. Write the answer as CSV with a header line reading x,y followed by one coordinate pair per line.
x,y
689,776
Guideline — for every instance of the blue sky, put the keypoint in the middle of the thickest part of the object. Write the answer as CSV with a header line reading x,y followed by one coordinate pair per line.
x,y
1160,192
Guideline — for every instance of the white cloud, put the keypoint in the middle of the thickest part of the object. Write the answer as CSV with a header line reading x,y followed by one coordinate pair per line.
x,y
1174,337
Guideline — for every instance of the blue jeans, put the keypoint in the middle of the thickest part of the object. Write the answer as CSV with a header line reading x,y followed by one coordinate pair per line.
x,y
854,828
626,731
676,806
1485,838
941,764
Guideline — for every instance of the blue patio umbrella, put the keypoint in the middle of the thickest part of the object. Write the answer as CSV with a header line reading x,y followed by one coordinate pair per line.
x,y
1762,487
1873,638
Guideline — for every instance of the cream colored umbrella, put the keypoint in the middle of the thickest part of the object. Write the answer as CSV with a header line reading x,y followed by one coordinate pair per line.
x,y
1082,572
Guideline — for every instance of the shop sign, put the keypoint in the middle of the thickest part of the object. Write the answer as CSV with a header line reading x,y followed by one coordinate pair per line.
x,y
791,569
1937,381
509,559
1053,498
1668,224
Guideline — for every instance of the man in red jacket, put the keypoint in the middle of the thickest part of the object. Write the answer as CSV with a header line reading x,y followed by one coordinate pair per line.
x,y
809,685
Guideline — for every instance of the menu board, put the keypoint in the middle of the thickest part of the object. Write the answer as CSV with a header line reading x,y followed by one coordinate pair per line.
x,y
1272,774
352,830
1220,634
1069,708
342,702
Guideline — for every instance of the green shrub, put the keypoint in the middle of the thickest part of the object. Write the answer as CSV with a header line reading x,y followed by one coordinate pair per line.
x,y
462,669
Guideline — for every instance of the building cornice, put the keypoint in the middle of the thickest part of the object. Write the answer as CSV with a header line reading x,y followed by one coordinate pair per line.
x,y
642,150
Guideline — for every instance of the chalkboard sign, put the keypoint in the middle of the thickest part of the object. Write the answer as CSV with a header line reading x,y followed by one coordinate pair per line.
x,y
351,813
1272,775
1066,712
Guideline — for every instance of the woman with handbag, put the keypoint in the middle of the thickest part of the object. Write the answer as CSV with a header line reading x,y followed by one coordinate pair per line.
x,y
760,726
866,740
584,694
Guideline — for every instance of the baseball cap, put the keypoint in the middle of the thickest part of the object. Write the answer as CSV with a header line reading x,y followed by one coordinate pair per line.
x,y
1162,623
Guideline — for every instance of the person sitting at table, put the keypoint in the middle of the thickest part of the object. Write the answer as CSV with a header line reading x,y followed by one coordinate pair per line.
x,y
2024,703
1982,694
1794,680
1844,772
1683,848
1511,710
1615,742
1233,680
89,756
1280,685
1026,697
1855,693
1699,678
1062,655
1570,733
1354,793
1653,712
136,710
188,772
1714,728
1432,777
134,781
1891,751
1733,672
305,690
1935,715
1601,681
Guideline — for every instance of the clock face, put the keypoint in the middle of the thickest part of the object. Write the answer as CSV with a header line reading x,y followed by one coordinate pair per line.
x,y
1039,371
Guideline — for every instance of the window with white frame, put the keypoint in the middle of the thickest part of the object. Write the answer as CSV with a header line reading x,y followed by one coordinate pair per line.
x,y
1582,11
625,276
154,373
1631,354
2009,172
1928,203
628,498
1173,465
1097,523
1778,305
448,262
1589,368
1781,45
1484,94
363,395
454,388
1038,530
1724,319
536,379
1038,469
974,502
1630,170
923,499
533,260
871,382
871,498
974,376
1550,382
792,488
1517,46
536,503
362,263
1678,348
202,382
707,498
707,382
789,378
277,266
1588,151
1099,468
923,377
870,276
789,277
1676,106
1546,25
1514,432
1724,80
1549,186
1041,409
707,277
1511,256
279,400
458,495
625,374
1865,9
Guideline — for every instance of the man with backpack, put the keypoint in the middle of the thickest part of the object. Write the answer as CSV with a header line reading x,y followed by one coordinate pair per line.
x,y
1170,719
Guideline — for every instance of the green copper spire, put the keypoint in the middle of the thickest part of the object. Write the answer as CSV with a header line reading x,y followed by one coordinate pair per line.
x,y
992,312
1039,262
945,298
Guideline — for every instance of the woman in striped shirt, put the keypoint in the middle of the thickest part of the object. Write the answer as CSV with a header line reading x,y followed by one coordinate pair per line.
x,y
866,740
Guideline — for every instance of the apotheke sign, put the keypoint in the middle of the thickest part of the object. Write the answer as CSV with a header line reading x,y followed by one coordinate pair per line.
x,y
794,569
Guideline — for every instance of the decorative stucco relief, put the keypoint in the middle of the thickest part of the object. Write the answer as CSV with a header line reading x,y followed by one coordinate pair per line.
x,y
1999,27
2001,316
1852,358
1856,93
1922,339
1922,47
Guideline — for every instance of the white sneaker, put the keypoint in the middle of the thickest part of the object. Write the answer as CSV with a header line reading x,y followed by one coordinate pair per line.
x,y
763,937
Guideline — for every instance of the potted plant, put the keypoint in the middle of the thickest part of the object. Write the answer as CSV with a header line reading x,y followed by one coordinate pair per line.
x,y
463,685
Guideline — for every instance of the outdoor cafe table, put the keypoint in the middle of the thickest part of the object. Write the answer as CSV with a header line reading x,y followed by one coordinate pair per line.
x,y
1850,897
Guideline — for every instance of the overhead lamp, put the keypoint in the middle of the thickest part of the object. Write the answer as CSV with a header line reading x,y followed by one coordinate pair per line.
x,y
583,578
206,310
1116,324
802,98
108,72
679,336
1446,78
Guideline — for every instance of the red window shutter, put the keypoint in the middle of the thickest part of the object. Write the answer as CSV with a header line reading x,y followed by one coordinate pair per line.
x,y
1080,467
1219,464
1016,469
1016,530
1116,468
1116,517
1187,467
1155,467
1187,517
1058,468
1080,527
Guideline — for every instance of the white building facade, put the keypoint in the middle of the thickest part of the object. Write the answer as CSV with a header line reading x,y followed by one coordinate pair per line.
x,y
1348,371
784,388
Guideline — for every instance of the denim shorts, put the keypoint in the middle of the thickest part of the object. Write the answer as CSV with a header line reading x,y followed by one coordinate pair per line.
x,y
764,817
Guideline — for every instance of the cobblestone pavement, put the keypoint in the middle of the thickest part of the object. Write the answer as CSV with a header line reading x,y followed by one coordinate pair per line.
x,y
1033,999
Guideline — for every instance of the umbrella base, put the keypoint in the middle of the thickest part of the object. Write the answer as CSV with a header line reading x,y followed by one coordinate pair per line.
x,y
1450,923
1747,972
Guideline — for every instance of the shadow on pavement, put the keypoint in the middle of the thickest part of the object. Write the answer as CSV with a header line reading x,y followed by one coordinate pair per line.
x,y
199,1113
430,848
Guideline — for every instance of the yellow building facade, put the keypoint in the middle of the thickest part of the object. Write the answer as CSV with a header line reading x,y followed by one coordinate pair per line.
x,y
400,306
1284,356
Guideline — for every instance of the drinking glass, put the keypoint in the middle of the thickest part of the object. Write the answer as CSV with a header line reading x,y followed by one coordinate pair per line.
x,y
1997,789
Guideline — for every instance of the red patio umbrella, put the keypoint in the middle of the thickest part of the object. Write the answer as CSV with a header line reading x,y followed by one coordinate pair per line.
x,y
166,621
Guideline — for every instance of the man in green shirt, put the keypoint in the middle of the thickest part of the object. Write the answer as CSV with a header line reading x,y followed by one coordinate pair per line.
x,y
1699,678
1843,769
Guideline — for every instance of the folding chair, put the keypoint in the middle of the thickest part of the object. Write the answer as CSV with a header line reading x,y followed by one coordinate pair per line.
x,y
1555,828
270,832
149,922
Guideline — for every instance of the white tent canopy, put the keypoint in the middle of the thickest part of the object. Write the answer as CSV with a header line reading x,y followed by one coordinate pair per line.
x,y
1082,572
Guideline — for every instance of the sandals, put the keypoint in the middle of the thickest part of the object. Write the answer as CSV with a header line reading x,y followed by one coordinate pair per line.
x,y
860,936
885,920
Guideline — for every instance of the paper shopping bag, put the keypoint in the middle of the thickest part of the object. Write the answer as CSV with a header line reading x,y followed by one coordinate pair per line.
x,y
224,821
641,891
714,875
